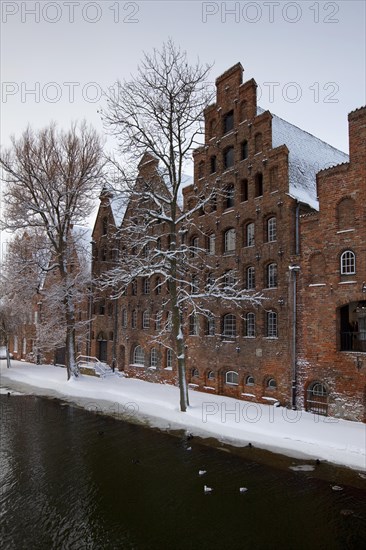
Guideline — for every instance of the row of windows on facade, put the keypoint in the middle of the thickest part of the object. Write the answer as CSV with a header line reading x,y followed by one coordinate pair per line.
x,y
228,156
229,120
228,322
231,377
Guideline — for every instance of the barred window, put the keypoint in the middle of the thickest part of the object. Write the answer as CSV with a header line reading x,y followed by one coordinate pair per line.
x,y
229,325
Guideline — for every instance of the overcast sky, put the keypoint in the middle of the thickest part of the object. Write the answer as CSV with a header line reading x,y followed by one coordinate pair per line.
x,y
308,58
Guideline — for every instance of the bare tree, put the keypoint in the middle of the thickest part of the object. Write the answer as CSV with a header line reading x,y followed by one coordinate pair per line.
x,y
158,115
51,177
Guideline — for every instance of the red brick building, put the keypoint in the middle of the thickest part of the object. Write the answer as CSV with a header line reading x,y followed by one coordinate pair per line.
x,y
273,228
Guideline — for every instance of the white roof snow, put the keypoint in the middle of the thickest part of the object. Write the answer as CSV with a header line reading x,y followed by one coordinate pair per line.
x,y
307,156
119,207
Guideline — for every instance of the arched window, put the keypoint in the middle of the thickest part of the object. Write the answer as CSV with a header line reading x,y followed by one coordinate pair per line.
x,y
228,122
249,234
258,143
244,150
194,246
271,384
250,278
124,317
249,381
169,359
201,169
158,285
195,373
346,213
232,378
317,397
272,275
228,157
229,240
258,184
229,326
229,193
145,319
146,285
193,324
271,229
138,356
244,190
271,324
153,358
210,375
249,326
158,318
134,319
348,263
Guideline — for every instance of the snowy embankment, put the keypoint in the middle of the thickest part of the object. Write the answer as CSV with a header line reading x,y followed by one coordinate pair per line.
x,y
294,433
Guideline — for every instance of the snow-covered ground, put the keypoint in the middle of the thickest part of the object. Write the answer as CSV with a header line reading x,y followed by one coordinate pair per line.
x,y
294,433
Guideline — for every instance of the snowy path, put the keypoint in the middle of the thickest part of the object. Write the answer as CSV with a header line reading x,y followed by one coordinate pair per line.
x,y
294,433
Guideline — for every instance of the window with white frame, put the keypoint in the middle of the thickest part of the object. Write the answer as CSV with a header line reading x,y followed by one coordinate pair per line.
x,y
169,359
250,277
249,327
138,356
158,318
348,263
272,275
249,234
249,381
232,378
195,373
153,358
146,319
211,242
271,229
193,325
229,326
229,240
271,324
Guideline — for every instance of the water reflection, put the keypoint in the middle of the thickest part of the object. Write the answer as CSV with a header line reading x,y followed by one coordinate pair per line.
x,y
74,480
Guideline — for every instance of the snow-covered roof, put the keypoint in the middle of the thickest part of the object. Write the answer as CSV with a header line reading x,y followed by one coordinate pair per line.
x,y
119,207
307,156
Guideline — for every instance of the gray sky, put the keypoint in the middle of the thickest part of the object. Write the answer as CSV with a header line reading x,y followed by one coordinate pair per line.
x,y
308,58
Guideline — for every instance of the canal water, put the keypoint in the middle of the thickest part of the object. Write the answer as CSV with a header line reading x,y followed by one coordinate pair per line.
x,y
73,480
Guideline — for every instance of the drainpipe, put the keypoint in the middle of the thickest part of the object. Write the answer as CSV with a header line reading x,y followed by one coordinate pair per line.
x,y
294,271
115,328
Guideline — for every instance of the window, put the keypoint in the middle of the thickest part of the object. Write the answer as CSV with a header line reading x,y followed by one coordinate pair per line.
x,y
271,324
201,169
228,122
158,318
194,246
153,358
229,326
134,288
195,373
24,346
210,281
346,213
15,344
229,281
229,241
158,243
134,319
258,183
258,143
213,166
158,285
211,242
250,278
193,325
272,276
146,285
138,356
348,263
229,157
232,378
145,319
244,190
249,234
212,128
210,325
249,381
169,359
249,327
213,203
194,285
273,178
102,307
229,197
210,375
271,229
169,321
271,384
124,317
317,398
244,150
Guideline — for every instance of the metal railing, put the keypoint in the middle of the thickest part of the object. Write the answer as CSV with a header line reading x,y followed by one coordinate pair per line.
x,y
93,363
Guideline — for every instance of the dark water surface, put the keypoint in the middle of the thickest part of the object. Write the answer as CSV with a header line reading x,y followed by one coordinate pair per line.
x,y
74,480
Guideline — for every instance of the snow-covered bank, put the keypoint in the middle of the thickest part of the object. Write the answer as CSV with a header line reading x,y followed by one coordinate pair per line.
x,y
294,433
